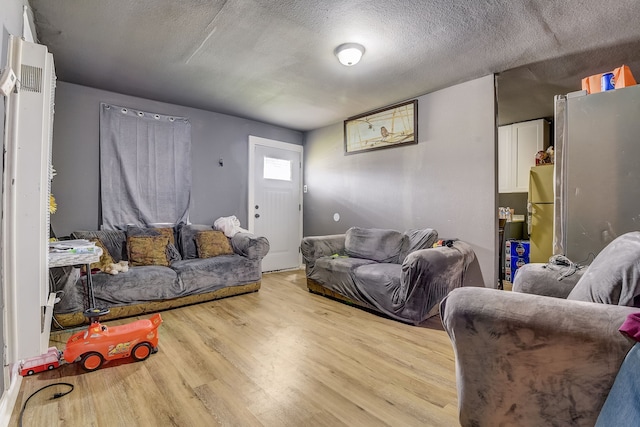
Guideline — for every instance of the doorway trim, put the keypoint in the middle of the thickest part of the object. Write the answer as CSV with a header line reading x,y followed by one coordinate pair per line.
x,y
253,142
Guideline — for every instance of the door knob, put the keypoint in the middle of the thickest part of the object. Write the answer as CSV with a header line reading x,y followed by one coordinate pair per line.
x,y
257,215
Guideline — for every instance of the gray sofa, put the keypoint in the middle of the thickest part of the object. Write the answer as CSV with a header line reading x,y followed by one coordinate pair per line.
x,y
400,275
188,279
548,356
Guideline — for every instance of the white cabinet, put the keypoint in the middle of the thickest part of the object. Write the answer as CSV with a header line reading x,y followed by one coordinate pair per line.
x,y
518,144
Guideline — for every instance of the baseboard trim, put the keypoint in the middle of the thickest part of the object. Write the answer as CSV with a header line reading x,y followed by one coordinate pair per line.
x,y
10,396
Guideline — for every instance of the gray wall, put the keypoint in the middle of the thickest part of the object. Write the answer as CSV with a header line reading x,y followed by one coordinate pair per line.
x,y
447,181
216,191
516,201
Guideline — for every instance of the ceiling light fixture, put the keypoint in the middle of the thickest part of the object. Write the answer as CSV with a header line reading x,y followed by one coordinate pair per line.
x,y
349,53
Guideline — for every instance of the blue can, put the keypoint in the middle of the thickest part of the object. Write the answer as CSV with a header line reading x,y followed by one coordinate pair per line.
x,y
606,83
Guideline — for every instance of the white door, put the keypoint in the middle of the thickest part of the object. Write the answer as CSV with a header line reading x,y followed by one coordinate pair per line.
x,y
275,200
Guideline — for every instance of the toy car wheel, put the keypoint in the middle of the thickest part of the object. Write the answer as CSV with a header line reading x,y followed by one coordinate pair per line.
x,y
141,351
30,372
50,367
91,361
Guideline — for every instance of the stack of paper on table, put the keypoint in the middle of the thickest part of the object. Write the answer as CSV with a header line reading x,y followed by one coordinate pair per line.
x,y
78,246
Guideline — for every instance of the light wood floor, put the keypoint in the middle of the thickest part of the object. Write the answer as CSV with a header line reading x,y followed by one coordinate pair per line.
x,y
278,357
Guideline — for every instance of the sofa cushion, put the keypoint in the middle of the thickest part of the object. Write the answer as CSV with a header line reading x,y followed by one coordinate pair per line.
x,y
340,264
416,239
614,275
336,274
212,243
380,282
207,274
374,244
187,239
148,250
138,285
113,240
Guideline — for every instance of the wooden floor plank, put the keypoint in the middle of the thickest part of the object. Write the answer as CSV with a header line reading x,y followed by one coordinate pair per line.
x,y
278,357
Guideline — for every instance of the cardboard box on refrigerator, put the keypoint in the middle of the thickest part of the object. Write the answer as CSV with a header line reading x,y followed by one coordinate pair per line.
x,y
622,77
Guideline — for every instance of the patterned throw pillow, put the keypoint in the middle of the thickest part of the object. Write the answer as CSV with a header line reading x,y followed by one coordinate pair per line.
x,y
133,230
187,239
168,232
147,250
212,243
105,259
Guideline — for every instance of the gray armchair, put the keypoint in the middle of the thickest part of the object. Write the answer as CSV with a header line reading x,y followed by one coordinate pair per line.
x,y
531,360
547,279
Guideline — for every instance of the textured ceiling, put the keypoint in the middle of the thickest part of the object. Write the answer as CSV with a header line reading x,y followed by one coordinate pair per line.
x,y
273,61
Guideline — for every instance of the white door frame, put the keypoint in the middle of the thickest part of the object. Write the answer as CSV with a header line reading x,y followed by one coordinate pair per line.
x,y
256,140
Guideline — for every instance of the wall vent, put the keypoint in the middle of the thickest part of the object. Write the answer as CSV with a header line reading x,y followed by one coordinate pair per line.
x,y
31,78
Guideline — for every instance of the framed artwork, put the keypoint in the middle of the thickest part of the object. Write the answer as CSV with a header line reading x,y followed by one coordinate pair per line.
x,y
383,128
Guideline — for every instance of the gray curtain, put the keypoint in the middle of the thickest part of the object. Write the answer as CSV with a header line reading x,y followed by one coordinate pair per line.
x,y
145,167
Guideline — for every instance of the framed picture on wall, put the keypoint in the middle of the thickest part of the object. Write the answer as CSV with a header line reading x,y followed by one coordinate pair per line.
x,y
383,128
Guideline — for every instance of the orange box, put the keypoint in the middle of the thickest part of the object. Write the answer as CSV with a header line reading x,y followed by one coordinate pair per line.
x,y
622,77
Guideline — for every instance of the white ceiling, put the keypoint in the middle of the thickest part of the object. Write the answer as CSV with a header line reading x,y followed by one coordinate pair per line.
x,y
273,61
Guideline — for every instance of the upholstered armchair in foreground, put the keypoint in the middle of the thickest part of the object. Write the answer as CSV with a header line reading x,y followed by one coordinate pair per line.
x,y
534,360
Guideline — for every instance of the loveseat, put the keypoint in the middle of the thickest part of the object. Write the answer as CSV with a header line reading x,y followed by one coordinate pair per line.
x,y
168,268
548,356
400,275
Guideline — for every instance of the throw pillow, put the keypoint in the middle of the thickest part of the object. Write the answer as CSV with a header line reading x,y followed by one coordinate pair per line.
x,y
105,259
212,243
151,231
147,250
168,232
614,275
187,239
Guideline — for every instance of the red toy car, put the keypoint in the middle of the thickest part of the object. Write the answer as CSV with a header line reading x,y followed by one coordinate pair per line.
x,y
49,360
99,343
